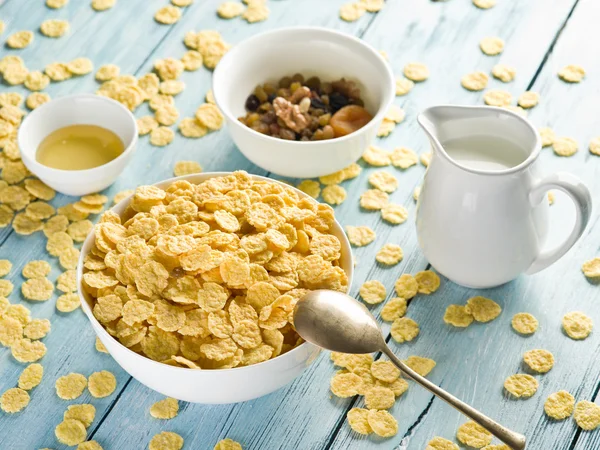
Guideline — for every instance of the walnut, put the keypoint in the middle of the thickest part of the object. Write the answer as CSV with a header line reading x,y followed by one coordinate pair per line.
x,y
290,114
299,94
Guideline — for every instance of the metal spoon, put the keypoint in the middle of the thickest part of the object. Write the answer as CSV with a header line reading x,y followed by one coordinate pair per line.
x,y
338,322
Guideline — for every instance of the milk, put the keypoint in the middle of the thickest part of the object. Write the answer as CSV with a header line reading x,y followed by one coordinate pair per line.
x,y
485,152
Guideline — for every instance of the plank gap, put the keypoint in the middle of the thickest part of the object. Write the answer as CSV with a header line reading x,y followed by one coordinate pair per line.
x,y
420,418
109,409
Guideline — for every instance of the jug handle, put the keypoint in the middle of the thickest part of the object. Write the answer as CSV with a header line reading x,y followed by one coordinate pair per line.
x,y
579,193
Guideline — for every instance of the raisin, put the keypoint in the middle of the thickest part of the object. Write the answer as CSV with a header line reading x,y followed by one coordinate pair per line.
x,y
252,103
317,103
349,119
337,101
285,82
287,134
271,98
313,83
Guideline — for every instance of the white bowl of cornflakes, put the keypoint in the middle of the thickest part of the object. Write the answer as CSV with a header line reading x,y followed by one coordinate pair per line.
x,y
190,283
310,52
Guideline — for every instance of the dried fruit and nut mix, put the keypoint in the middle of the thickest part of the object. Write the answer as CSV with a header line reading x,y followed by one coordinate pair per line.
x,y
296,109
207,276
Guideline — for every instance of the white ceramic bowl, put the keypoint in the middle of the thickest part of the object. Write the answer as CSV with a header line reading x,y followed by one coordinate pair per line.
x,y
84,109
311,51
208,386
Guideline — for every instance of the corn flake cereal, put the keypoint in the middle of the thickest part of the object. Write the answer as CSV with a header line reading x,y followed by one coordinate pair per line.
x,y
166,440
102,5
228,444
31,376
54,28
382,423
100,346
565,146
475,81
521,385
36,269
439,443
165,409
168,15
491,45
473,435
539,360
161,136
192,60
5,267
256,12
360,236
524,323
379,397
14,400
55,224
389,254
376,156
594,146
591,268
416,71
393,309
351,12
428,282
358,420
458,316
420,365
528,99
504,73
407,286
404,329
6,288
209,116
80,66
403,86
483,309
102,384
373,292
38,289
20,39
84,413
346,384
36,99
71,386
384,181
68,302
587,415
394,214
373,199
572,73
37,329
70,432
559,405
146,124
577,325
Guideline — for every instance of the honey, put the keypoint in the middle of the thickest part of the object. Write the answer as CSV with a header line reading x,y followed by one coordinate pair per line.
x,y
79,147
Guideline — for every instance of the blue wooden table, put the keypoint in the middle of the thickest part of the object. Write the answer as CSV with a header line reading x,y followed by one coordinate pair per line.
x,y
541,37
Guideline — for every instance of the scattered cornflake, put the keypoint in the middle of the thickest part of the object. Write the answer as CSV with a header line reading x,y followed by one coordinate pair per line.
x,y
71,386
36,81
516,109
360,236
18,312
373,292
394,214
68,302
20,39
14,400
591,268
382,423
559,405
393,309
36,269
395,114
55,4
551,198
54,28
161,136
351,12
167,115
385,371
256,12
521,385
403,157
473,435
407,286
310,187
373,199
379,397
497,97
146,124
547,135
210,116
228,444
483,309
122,195
458,316
425,158
386,127
420,365
102,384
389,254
587,415
524,323
346,385
168,15
474,81
572,73
190,127
70,432
5,267
24,225
358,420
27,351
334,194
79,229
89,445
36,99
484,4
6,288
404,329
491,45
37,329
38,289
383,181
165,409
416,71
166,440
539,360
439,443
57,71
171,87
103,5
577,325
186,168
182,3
229,10
376,156
31,376
404,86
210,98
100,346
428,282
67,281
504,73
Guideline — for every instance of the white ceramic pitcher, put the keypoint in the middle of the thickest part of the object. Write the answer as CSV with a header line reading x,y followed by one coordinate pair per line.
x,y
481,228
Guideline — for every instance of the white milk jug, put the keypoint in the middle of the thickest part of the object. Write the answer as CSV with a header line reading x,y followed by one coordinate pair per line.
x,y
482,212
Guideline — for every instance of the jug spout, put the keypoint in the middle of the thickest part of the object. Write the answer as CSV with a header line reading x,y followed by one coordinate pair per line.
x,y
431,121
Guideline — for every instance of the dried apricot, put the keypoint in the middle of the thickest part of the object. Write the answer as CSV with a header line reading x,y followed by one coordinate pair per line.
x,y
349,119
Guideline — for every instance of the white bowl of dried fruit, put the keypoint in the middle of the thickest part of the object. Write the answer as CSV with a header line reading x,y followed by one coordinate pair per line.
x,y
303,102
203,272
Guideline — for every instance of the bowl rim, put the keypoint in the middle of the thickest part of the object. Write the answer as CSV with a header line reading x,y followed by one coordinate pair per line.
x,y
37,167
387,96
97,326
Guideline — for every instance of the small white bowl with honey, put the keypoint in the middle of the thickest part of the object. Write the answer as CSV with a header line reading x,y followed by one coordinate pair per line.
x,y
78,144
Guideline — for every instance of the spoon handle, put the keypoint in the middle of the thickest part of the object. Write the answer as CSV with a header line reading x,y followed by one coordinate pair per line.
x,y
514,440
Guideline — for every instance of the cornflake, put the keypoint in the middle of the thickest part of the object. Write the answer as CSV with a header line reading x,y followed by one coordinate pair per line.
x,y
428,282
5,267
165,409
386,127
146,124
394,214
103,5
404,330
504,73
100,346
475,81
80,66
389,254
393,309
547,135
334,194
439,443
559,405
524,323
36,269
373,199
39,289
458,316
36,81
591,268
358,420
68,302
528,99
37,329
192,60
484,4
70,432
55,4
373,292
539,360
416,71
168,15
161,136
382,423
351,12
208,115
406,286
491,45
256,12
54,28
376,156
420,365
71,386
384,181
577,325
171,87
346,384
379,397
360,236
228,444
403,157
565,146
57,71
20,39
521,385
6,288
310,187
403,86
36,99
483,309
189,127
14,400
587,415
107,72
31,376
166,440
572,73
84,413
473,435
